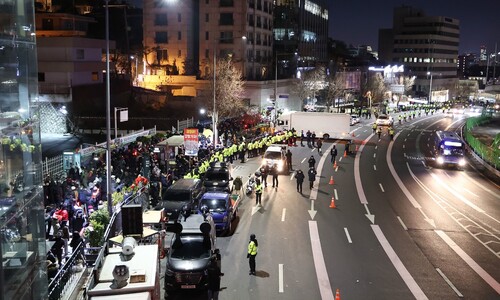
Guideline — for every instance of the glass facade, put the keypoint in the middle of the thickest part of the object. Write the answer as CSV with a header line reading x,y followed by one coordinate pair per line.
x,y
22,230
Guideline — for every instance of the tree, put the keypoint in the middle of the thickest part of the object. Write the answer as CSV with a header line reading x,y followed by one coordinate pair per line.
x,y
408,82
466,88
336,88
311,82
228,91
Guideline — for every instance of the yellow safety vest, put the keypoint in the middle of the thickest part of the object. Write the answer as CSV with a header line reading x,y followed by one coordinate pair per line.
x,y
252,248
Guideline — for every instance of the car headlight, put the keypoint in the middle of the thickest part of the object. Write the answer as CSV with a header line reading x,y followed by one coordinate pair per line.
x,y
461,162
440,160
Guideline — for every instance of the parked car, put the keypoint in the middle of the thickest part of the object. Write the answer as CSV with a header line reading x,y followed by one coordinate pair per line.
x,y
354,119
218,177
384,120
223,207
183,193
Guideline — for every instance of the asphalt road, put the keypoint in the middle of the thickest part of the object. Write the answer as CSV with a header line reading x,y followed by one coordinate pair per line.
x,y
401,229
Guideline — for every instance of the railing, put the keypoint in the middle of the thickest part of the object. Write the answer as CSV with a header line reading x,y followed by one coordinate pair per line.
x,y
67,278
489,154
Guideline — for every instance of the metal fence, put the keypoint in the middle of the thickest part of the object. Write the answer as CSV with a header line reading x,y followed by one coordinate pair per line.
x,y
66,280
55,165
181,125
487,153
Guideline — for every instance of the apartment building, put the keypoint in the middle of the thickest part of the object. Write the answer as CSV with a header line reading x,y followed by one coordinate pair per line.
x,y
428,48
181,37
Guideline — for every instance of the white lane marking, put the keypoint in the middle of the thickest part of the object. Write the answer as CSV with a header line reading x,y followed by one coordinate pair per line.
x,y
397,178
357,175
449,283
468,260
312,150
381,187
374,155
365,130
319,263
376,147
336,169
457,195
303,160
280,281
497,195
335,193
314,190
404,146
470,192
402,223
374,167
405,140
398,264
423,163
348,236
283,214
293,175
340,159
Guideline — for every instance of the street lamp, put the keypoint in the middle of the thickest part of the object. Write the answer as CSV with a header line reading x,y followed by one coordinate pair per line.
x,y
108,117
430,88
214,113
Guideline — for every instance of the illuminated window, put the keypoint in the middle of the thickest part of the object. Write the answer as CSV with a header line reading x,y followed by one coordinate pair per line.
x,y
95,76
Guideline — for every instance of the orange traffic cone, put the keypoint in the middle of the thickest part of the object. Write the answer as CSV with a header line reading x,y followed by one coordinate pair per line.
x,y
337,295
345,153
335,164
331,180
332,203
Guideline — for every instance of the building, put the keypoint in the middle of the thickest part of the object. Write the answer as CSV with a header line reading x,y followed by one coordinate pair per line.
x,y
428,48
22,216
465,61
300,35
181,37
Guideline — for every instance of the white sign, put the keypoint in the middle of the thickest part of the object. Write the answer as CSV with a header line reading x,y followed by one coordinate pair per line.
x,y
124,115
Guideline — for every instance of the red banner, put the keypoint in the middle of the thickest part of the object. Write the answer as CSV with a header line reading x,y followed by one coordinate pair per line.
x,y
191,141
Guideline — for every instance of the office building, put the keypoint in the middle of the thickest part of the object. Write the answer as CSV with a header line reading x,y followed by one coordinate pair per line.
x,y
180,37
428,48
22,219
300,35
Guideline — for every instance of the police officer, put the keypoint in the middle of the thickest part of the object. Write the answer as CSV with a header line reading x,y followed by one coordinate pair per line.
x,y
311,161
333,154
258,192
264,171
312,177
274,173
391,133
253,247
299,176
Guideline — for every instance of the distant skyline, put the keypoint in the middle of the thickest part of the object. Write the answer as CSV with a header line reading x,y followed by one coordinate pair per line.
x,y
357,22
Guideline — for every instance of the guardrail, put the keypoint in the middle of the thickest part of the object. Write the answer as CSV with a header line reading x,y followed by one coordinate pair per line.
x,y
488,154
67,278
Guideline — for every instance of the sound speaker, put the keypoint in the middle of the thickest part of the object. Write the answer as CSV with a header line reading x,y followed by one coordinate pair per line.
x,y
132,219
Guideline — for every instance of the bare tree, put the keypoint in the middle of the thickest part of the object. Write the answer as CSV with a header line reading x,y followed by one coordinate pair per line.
x,y
310,83
466,88
408,82
377,87
336,88
228,91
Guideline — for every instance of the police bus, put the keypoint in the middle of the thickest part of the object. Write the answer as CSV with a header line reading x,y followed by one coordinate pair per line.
x,y
448,149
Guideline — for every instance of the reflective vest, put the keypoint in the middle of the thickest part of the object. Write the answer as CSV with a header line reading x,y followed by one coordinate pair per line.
x,y
252,248
258,189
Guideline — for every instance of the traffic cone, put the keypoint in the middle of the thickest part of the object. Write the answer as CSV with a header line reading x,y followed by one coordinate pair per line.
x,y
335,164
331,180
357,148
345,153
332,203
337,295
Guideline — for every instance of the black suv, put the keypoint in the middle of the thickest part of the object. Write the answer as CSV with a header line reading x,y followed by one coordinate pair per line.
x,y
184,193
218,178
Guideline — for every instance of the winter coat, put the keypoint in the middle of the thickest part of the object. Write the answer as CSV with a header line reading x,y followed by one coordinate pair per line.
x,y
311,174
299,176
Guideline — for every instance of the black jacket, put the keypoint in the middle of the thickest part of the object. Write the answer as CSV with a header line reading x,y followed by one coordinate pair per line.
x,y
311,174
299,176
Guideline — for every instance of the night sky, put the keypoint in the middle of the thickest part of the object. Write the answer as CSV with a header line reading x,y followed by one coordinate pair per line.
x,y
357,22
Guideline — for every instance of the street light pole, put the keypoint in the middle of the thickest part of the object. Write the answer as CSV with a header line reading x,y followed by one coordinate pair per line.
x,y
108,118
430,88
